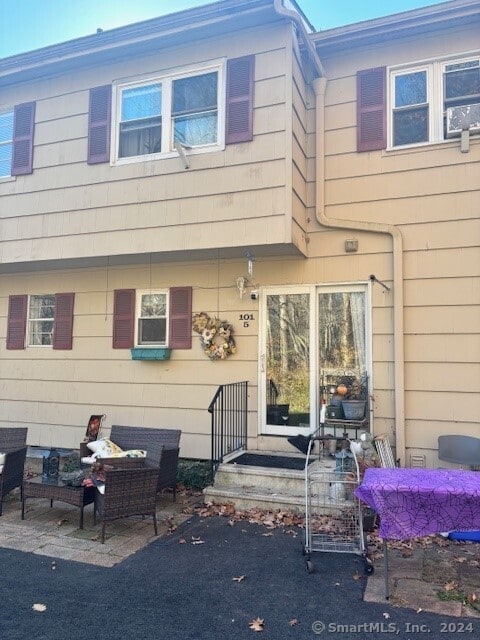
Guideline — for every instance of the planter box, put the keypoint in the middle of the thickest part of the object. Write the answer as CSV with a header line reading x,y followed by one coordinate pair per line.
x,y
354,409
162,353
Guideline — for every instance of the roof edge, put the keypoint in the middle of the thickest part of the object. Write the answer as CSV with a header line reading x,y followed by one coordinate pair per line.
x,y
153,28
407,22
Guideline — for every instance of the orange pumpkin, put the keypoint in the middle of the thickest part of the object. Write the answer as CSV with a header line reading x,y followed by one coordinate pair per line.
x,y
342,390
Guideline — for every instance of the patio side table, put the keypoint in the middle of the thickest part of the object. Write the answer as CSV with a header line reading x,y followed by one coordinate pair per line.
x,y
54,489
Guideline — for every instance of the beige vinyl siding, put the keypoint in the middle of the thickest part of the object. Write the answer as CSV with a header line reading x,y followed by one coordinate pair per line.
x,y
54,393
300,194
432,193
69,209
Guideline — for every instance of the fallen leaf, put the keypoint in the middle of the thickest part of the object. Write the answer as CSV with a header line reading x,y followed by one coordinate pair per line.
x,y
449,586
356,576
238,578
257,624
472,597
61,522
293,622
39,607
182,541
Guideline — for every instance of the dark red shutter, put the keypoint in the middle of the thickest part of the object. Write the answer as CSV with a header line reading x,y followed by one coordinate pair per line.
x,y
240,81
23,126
17,322
180,318
99,115
63,321
371,109
123,318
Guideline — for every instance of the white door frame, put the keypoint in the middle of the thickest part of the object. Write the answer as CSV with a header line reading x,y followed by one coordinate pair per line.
x,y
313,290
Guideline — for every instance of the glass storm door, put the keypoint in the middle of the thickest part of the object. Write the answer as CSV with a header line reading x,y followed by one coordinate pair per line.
x,y
286,362
342,340
312,336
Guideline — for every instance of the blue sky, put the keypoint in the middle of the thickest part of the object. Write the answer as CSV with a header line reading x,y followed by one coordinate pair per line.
x,y
31,24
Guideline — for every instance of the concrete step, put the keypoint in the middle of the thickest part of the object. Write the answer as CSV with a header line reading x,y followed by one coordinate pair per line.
x,y
272,480
249,498
248,486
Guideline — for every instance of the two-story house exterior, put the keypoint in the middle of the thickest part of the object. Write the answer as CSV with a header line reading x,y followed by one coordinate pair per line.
x,y
227,161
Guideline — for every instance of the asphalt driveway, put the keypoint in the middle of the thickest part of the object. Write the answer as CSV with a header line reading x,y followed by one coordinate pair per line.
x,y
183,587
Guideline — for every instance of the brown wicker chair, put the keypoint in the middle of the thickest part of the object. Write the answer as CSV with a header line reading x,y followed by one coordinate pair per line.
x,y
13,444
150,439
128,492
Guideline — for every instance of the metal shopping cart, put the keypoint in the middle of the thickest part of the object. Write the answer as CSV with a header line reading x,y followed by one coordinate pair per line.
x,y
333,515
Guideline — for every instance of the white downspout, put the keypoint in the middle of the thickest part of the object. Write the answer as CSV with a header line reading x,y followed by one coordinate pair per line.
x,y
319,87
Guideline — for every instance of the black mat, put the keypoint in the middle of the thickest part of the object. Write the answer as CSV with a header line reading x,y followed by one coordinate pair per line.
x,y
273,462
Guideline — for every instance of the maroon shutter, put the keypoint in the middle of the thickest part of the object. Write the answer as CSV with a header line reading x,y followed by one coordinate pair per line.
x,y
371,109
63,321
17,322
240,80
23,126
123,318
99,124
180,318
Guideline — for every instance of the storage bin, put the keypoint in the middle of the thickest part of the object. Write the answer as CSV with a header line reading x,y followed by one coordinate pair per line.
x,y
335,412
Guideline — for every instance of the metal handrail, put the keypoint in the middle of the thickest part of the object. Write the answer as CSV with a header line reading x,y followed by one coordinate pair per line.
x,y
229,411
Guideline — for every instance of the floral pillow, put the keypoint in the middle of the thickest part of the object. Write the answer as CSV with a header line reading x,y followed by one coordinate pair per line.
x,y
130,453
103,448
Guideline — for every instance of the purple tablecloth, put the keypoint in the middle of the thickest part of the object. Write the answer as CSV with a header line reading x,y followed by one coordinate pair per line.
x,y
417,502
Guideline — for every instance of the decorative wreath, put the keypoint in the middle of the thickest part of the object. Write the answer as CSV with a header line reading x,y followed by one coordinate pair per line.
x,y
215,336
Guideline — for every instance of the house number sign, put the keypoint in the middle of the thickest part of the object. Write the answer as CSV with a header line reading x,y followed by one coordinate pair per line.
x,y
246,318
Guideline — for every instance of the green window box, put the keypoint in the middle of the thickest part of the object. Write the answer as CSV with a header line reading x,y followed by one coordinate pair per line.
x,y
160,353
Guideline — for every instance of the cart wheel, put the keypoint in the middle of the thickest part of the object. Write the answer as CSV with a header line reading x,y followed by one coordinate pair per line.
x,y
309,566
368,567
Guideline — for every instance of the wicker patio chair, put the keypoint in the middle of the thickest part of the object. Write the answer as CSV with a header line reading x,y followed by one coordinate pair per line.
x,y
13,445
128,492
150,439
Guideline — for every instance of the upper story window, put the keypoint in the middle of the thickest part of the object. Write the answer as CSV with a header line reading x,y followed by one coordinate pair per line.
x,y
6,143
420,104
41,312
152,318
152,116
420,97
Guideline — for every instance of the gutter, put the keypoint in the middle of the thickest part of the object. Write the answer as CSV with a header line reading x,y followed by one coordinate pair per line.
x,y
319,86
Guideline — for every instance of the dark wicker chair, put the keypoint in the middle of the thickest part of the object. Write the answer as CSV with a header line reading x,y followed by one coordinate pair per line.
x,y
128,492
150,439
13,444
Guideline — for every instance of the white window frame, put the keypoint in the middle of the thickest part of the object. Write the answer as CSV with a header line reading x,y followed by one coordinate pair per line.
x,y
5,111
435,70
138,306
166,80
30,320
